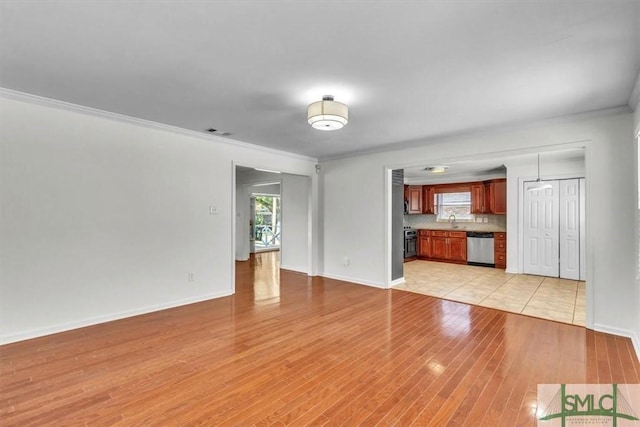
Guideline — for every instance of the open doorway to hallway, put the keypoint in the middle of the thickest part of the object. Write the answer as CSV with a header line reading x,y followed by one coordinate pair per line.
x,y
273,213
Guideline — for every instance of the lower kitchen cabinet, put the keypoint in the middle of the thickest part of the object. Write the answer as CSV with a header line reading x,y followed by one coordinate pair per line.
x,y
444,246
458,248
500,249
424,244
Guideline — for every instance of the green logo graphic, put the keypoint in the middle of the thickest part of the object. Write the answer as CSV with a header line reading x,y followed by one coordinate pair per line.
x,y
589,406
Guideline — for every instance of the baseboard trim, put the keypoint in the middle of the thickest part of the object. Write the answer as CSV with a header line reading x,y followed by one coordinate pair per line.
x,y
354,281
397,282
294,269
633,336
63,327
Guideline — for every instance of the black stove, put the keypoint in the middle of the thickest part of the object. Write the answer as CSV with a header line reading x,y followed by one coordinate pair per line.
x,y
410,242
410,232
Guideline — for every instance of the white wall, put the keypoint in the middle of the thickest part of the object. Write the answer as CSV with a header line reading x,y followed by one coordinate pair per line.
x,y
355,222
102,218
636,127
296,232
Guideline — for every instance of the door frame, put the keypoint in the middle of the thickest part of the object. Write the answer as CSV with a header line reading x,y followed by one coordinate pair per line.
x,y
589,164
313,245
522,181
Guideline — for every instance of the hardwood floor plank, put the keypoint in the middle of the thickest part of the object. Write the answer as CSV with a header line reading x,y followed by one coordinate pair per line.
x,y
289,350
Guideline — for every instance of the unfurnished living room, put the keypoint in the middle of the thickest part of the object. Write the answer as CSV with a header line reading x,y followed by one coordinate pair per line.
x,y
319,213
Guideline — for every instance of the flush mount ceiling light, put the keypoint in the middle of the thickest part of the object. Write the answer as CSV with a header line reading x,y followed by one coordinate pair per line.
x,y
327,114
539,184
436,169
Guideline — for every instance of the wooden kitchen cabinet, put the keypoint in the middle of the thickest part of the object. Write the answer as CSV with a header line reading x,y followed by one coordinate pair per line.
x,y
458,246
428,202
413,195
500,249
477,198
449,246
495,196
424,243
439,247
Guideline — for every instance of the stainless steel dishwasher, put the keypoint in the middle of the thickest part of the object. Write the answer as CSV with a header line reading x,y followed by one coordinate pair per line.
x,y
480,248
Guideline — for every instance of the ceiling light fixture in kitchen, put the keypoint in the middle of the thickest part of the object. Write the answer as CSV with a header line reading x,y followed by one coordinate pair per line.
x,y
539,184
327,114
436,169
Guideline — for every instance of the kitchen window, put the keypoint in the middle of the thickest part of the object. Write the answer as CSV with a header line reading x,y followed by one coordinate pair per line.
x,y
458,204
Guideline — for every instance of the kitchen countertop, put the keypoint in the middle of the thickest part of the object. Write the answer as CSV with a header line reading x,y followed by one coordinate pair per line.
x,y
465,227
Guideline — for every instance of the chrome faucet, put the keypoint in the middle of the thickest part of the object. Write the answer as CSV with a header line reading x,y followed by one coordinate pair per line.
x,y
452,221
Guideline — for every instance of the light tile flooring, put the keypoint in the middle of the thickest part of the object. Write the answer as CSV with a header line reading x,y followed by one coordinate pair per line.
x,y
545,297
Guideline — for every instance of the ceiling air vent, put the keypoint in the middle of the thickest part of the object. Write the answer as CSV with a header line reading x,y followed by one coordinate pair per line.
x,y
218,132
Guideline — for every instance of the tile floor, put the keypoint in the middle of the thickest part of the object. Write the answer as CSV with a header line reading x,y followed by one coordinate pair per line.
x,y
545,297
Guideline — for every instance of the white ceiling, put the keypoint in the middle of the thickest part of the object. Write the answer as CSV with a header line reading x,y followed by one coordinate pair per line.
x,y
408,70
477,169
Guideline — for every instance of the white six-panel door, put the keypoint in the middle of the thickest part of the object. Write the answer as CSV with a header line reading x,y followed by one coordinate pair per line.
x,y
554,230
541,231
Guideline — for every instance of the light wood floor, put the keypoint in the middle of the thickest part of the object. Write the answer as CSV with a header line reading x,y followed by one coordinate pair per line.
x,y
291,350
544,297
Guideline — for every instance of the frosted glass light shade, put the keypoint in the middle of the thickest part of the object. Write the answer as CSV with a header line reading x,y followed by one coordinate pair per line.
x,y
327,114
436,169
539,185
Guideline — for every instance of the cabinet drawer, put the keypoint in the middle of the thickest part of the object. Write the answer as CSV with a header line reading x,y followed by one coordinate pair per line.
x,y
438,233
500,259
424,233
500,245
462,234
500,235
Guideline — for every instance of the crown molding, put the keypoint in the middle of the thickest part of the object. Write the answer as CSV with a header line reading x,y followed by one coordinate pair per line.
x,y
75,108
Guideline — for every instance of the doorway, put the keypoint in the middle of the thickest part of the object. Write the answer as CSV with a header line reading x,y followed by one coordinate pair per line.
x,y
273,212
266,222
554,232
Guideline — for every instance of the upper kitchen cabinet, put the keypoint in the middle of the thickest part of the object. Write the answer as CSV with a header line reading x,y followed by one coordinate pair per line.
x,y
477,198
428,200
413,197
495,196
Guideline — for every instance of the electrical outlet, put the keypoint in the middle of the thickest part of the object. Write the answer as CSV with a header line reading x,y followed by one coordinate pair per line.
x,y
346,261
213,210
485,219
190,277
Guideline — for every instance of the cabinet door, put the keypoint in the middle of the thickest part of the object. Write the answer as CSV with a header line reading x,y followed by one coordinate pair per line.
x,y
424,249
414,196
457,249
427,199
495,196
477,198
439,247
489,190
499,205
